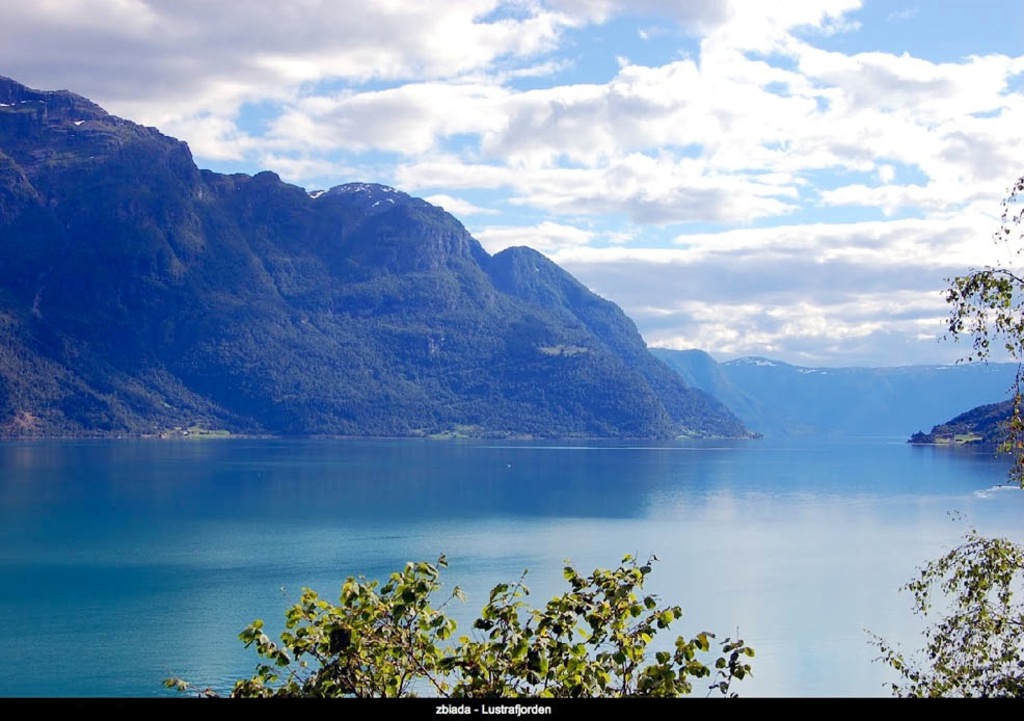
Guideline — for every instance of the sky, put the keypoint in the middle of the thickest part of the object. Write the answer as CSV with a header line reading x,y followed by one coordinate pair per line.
x,y
795,180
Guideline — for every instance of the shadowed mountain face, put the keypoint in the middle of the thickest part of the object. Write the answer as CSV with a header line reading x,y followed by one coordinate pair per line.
x,y
140,293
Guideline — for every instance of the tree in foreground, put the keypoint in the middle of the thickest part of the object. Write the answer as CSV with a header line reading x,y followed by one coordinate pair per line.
x,y
987,307
976,646
389,641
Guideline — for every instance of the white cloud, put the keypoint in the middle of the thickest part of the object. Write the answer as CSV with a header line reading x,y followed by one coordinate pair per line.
x,y
458,206
763,115
692,15
449,171
168,61
824,294
408,119
766,26
546,237
903,13
856,331
637,133
648,190
212,137
628,145
295,169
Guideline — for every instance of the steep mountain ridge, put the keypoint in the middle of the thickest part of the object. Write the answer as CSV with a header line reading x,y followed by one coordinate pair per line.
x,y
141,293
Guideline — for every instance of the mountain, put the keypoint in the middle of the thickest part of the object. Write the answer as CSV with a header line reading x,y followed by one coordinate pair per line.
x,y
141,294
779,399
986,425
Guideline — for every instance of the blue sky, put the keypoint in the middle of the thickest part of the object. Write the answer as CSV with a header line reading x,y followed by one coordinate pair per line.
x,y
749,177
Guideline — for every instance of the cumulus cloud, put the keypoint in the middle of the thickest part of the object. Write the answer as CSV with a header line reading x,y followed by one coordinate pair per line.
x,y
547,237
409,119
692,15
747,143
733,138
163,63
827,294
458,206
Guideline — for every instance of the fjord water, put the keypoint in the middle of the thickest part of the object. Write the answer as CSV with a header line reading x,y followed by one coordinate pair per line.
x,y
124,562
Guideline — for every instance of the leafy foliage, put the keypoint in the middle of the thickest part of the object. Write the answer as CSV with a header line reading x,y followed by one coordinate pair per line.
x,y
977,647
389,641
987,306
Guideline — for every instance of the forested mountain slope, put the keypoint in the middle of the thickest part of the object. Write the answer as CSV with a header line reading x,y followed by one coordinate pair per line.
x,y
140,294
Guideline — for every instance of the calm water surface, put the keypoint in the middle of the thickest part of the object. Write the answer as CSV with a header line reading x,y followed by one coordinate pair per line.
x,y
124,562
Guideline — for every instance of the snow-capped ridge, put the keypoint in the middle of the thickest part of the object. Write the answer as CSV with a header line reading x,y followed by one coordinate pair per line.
x,y
754,361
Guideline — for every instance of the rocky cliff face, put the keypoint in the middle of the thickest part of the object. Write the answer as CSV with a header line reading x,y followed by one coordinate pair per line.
x,y
140,293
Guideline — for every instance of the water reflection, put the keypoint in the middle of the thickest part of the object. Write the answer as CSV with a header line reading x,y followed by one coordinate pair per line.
x,y
149,556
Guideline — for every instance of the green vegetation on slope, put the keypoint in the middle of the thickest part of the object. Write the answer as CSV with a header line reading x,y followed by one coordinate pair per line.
x,y
142,294
984,425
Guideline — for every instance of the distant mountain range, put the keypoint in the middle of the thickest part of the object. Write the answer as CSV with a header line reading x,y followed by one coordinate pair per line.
x,y
140,294
779,399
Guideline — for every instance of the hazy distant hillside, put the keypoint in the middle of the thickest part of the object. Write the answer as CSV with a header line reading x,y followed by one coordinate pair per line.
x,y
985,424
140,293
777,398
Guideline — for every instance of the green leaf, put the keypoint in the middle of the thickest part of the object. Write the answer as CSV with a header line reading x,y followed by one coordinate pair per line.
x,y
390,643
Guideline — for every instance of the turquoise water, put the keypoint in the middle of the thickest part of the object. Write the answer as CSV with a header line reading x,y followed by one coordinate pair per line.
x,y
124,562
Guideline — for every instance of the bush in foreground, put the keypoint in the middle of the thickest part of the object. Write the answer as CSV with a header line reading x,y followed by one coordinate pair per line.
x,y
389,641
